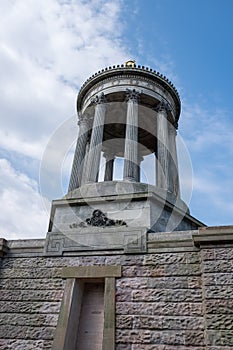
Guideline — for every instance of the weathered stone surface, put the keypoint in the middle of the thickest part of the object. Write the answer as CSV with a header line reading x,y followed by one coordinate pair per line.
x,y
160,282
27,332
220,322
21,344
172,258
159,295
38,284
31,273
219,306
160,303
219,292
162,270
218,279
160,337
162,347
159,322
218,266
29,307
33,295
147,308
53,262
222,338
217,253
23,319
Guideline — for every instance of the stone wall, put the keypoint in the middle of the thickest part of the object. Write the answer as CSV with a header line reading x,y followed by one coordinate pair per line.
x,y
169,298
217,278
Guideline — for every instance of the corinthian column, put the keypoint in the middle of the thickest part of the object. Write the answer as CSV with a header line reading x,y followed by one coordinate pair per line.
x,y
174,185
131,137
77,167
162,146
93,160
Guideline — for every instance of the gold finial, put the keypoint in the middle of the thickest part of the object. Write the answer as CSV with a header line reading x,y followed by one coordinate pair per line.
x,y
130,63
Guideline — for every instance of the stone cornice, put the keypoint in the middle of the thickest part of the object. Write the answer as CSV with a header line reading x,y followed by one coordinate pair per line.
x,y
133,72
211,236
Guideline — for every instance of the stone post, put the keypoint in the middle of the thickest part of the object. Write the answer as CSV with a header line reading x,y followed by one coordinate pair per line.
x,y
108,176
77,167
93,161
162,147
173,185
131,137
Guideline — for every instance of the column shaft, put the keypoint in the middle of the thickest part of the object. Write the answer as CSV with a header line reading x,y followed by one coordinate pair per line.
x,y
174,185
76,173
93,161
162,148
84,179
131,137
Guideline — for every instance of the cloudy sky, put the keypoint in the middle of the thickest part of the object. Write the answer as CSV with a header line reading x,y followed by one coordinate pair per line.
x,y
49,48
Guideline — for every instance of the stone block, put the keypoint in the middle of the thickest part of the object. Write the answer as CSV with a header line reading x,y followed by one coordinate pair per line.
x,y
22,344
219,338
26,319
27,332
29,307
219,306
171,282
159,322
161,308
159,295
219,292
218,279
37,284
219,322
220,266
31,295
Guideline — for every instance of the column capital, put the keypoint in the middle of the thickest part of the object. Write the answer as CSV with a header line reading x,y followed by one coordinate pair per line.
x,y
99,99
132,95
162,106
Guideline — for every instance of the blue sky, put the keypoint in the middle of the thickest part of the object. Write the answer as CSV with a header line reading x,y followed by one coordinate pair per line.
x,y
48,49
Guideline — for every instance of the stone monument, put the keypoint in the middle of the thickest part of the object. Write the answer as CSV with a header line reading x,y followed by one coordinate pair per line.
x,y
124,266
126,112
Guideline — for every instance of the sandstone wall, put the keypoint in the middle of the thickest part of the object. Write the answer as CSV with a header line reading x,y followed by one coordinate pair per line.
x,y
173,300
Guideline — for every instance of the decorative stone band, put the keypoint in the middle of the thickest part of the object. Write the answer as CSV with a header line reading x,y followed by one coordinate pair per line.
x,y
112,239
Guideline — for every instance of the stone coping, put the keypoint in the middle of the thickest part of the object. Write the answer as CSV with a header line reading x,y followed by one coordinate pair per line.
x,y
215,235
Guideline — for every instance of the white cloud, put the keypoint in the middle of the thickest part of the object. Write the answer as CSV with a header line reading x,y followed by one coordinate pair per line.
x,y
47,50
22,211
208,136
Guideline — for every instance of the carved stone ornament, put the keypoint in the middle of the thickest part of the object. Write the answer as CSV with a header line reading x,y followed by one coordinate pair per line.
x,y
99,219
132,95
99,99
162,106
